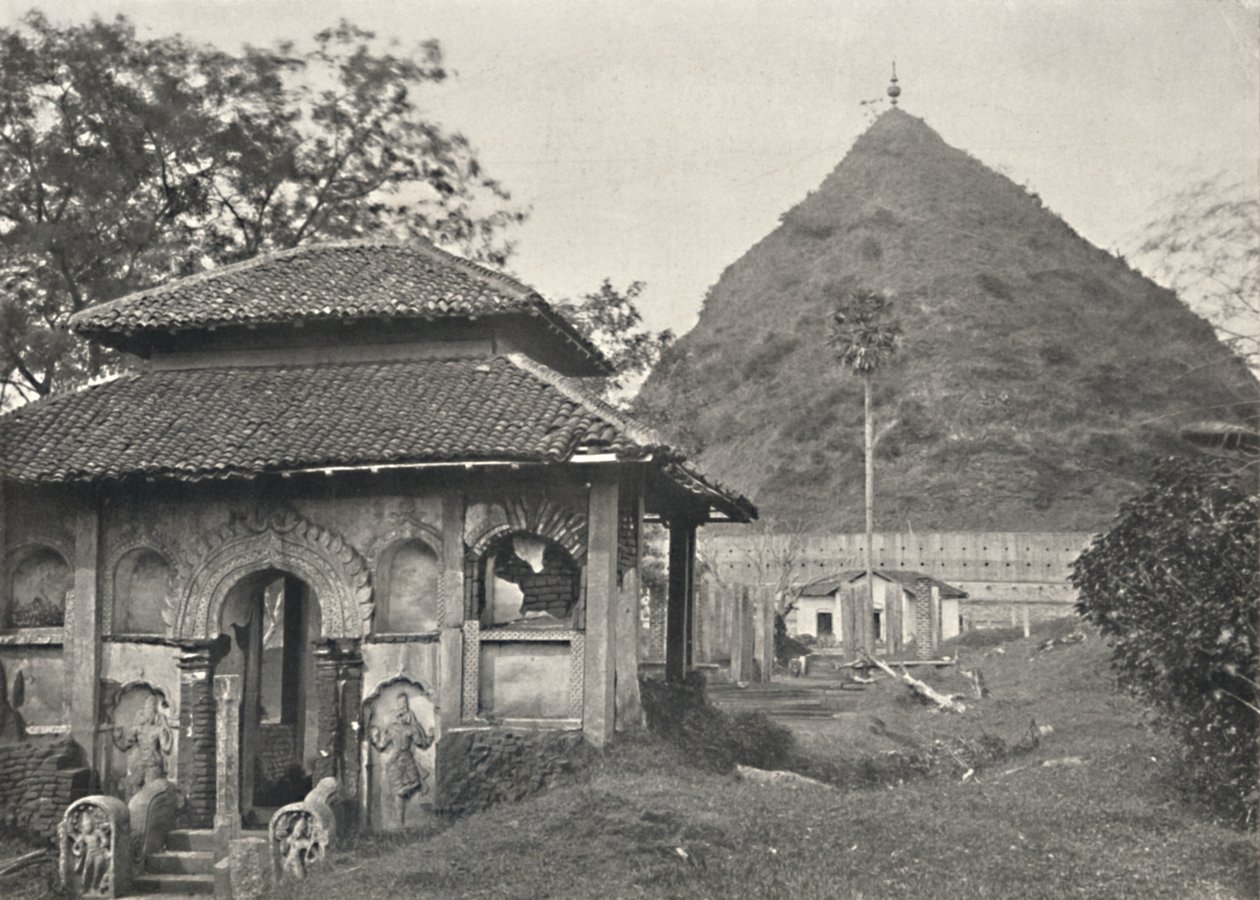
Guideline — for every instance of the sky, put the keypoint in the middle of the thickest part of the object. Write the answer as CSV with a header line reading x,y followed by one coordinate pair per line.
x,y
658,141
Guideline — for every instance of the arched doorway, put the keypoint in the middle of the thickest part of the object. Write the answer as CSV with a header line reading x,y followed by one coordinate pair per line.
x,y
270,621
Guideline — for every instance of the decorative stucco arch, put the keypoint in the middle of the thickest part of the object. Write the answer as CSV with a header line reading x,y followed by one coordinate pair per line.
x,y
277,539
532,514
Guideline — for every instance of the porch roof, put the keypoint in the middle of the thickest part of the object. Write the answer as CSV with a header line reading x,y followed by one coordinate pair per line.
x,y
907,579
195,424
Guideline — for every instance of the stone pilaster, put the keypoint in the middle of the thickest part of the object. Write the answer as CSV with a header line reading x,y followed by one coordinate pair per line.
x,y
227,809
83,633
599,704
196,773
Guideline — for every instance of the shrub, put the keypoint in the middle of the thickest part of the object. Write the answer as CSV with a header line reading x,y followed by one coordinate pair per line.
x,y
1173,586
682,715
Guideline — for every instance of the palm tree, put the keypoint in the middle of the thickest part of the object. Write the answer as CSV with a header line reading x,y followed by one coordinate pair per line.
x,y
864,336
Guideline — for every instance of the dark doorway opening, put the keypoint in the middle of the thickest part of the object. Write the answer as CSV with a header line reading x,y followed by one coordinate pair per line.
x,y
272,619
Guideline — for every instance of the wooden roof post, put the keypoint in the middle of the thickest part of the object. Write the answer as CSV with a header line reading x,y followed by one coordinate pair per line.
x,y
680,600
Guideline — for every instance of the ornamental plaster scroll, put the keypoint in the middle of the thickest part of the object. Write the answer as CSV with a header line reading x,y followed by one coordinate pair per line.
x,y
532,513
283,539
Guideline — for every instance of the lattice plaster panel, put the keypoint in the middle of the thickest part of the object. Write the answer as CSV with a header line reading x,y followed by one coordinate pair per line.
x,y
472,668
577,674
526,634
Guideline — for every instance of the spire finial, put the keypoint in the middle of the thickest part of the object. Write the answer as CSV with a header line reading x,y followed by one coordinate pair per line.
x,y
893,91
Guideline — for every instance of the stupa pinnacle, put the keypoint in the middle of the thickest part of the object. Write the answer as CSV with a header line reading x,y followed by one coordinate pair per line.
x,y
893,90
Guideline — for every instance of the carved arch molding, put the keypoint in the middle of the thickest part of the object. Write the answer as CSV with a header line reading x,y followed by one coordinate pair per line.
x,y
276,539
534,514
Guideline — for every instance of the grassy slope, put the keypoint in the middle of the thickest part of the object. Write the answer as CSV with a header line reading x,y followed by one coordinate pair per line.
x,y
1106,829
1036,374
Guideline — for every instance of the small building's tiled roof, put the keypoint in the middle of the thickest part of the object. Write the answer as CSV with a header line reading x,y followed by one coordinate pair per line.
x,y
222,422
906,579
344,280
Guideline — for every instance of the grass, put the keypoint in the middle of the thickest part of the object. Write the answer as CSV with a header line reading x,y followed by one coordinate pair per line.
x,y
645,822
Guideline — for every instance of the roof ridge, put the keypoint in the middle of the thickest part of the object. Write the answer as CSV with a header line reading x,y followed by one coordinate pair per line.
x,y
422,246
640,434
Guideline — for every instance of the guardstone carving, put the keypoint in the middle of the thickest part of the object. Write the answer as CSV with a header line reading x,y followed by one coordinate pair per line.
x,y
95,848
301,833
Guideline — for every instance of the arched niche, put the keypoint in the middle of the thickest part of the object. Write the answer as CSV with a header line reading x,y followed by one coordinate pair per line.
x,y
408,588
39,583
525,579
144,592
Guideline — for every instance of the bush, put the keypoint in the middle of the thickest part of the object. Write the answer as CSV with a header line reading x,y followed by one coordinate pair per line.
x,y
682,715
1173,586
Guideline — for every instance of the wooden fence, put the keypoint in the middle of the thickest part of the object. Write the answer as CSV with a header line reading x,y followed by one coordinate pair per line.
x,y
732,633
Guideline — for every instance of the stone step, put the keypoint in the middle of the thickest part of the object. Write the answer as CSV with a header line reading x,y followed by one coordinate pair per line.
x,y
175,885
183,839
181,862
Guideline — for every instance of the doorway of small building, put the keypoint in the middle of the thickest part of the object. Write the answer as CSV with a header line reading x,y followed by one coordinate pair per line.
x,y
824,624
272,621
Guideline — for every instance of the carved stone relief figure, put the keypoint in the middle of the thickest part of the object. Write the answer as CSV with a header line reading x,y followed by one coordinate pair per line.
x,y
399,722
89,835
90,849
399,739
301,844
147,743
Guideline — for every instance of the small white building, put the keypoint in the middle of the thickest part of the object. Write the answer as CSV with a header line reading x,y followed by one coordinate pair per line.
x,y
825,606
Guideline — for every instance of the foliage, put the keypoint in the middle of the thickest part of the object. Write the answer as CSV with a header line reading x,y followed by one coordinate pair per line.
x,y
681,714
1204,243
1174,585
611,319
864,335
127,160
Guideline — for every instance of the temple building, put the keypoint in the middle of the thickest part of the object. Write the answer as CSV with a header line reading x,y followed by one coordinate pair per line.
x,y
355,500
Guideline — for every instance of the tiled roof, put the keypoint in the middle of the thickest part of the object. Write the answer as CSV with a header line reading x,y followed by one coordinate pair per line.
x,y
340,281
219,422
906,579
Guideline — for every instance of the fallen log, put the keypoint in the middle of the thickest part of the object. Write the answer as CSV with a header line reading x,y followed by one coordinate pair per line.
x,y
766,776
949,704
17,864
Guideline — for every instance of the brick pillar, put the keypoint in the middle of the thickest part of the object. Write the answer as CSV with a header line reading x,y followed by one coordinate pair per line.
x,y
196,773
327,710
350,682
924,640
338,697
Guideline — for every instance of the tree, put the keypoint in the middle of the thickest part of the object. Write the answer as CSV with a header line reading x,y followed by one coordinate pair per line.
x,y
1173,586
125,161
1203,242
864,336
611,319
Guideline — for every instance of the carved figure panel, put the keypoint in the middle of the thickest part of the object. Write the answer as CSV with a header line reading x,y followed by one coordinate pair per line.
x,y
39,584
399,730
95,852
143,736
